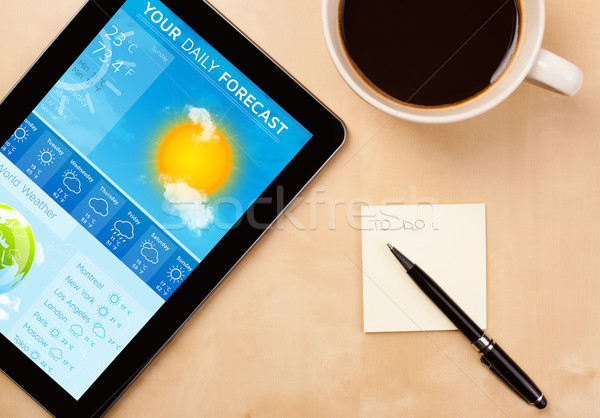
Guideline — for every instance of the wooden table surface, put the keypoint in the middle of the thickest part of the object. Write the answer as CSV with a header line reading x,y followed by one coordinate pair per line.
x,y
283,336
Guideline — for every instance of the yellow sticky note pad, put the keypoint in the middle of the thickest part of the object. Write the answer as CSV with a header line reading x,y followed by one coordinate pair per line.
x,y
446,241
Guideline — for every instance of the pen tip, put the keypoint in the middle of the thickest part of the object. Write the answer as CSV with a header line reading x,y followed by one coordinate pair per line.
x,y
542,403
406,263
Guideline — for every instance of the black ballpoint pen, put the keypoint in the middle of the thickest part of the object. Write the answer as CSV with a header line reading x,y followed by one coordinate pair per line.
x,y
494,357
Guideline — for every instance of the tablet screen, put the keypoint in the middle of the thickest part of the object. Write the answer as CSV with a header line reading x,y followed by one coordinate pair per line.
x,y
122,179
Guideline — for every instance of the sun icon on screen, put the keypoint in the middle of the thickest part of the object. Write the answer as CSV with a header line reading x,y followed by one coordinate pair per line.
x,y
114,298
21,134
200,158
102,311
175,274
46,157
54,333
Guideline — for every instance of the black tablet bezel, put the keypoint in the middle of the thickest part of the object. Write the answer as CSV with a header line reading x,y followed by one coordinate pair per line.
x,y
328,136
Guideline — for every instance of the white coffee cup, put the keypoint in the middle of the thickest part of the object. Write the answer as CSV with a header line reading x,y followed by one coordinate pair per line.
x,y
530,62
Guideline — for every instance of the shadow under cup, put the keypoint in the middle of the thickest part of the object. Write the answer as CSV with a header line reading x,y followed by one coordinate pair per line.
x,y
430,54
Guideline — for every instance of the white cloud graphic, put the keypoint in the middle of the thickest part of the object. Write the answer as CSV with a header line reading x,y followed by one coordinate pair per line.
x,y
39,254
124,229
10,304
190,204
202,117
100,206
150,253
73,184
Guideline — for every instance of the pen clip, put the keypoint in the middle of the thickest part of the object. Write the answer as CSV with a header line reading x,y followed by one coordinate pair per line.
x,y
502,379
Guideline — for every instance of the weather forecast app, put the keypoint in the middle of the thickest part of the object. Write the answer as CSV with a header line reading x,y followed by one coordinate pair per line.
x,y
125,176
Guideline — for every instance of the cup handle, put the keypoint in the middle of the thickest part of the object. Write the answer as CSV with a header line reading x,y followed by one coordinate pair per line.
x,y
555,74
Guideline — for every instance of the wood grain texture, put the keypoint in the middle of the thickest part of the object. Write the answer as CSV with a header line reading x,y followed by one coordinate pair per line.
x,y
283,335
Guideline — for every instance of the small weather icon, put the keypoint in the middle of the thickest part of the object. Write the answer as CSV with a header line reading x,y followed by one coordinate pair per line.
x,y
175,274
71,182
149,252
124,229
55,333
114,298
99,330
21,134
102,311
100,206
46,157
35,355
55,354
76,330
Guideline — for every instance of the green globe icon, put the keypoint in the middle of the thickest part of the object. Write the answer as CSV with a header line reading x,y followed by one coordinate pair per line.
x,y
17,248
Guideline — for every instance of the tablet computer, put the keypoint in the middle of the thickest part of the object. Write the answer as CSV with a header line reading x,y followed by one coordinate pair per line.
x,y
141,157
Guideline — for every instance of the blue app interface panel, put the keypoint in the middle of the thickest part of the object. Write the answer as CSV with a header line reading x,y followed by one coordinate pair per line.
x,y
122,179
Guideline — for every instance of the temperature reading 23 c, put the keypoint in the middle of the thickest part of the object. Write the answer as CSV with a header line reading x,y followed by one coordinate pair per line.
x,y
119,40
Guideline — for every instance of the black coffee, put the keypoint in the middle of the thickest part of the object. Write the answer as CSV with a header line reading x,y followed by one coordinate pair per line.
x,y
430,52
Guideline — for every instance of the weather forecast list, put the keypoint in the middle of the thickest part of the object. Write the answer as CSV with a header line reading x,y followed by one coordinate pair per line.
x,y
81,322
144,154
112,218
